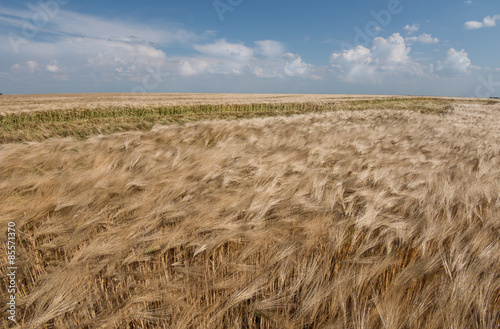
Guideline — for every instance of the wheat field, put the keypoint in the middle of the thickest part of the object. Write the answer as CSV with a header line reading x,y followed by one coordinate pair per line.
x,y
43,102
371,215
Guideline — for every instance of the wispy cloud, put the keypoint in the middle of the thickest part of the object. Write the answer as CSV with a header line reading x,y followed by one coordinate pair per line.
x,y
86,45
72,24
423,38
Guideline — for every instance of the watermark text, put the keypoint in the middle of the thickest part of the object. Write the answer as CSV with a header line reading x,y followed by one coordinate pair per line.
x,y
40,18
11,271
223,6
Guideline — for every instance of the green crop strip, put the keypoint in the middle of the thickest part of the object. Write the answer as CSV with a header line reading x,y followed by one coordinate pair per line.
x,y
82,123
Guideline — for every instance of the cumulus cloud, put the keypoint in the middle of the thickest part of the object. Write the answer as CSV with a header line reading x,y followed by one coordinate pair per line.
x,y
354,64
296,67
391,50
92,49
124,51
386,57
267,59
190,67
411,29
455,63
186,69
488,21
53,67
271,59
358,55
423,38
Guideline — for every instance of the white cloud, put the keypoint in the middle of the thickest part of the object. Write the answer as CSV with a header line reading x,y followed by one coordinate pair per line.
x,y
26,67
193,66
219,57
296,67
68,23
387,57
266,60
120,53
354,64
270,48
358,55
391,50
89,47
411,29
185,68
267,72
96,51
455,63
473,25
53,67
423,38
32,66
468,1
488,21
223,49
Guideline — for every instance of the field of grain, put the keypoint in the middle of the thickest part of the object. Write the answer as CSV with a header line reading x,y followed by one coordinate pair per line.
x,y
353,213
37,118
19,103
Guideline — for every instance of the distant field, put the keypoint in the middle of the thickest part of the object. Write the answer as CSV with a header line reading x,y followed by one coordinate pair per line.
x,y
37,117
262,211
16,103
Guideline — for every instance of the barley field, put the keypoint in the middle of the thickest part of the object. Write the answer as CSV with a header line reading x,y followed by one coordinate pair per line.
x,y
257,211
43,102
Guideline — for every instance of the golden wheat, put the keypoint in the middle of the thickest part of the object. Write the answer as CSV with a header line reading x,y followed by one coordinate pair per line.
x,y
346,219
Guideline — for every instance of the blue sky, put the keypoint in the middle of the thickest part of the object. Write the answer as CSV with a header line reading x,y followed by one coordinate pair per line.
x,y
408,47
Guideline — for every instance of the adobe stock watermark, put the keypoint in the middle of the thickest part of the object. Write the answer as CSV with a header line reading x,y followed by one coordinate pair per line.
x,y
372,29
11,271
40,18
223,6
151,80
487,87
